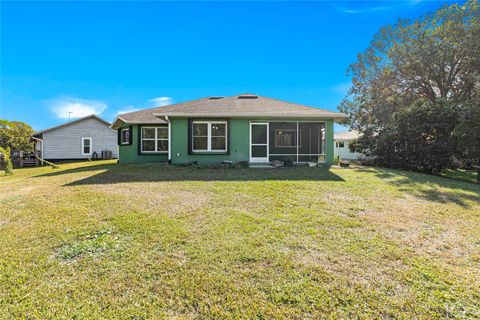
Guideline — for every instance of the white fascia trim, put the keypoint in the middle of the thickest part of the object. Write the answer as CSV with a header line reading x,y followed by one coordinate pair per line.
x,y
249,115
113,126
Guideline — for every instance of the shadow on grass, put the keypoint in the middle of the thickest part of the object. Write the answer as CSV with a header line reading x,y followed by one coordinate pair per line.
x,y
124,173
432,188
461,175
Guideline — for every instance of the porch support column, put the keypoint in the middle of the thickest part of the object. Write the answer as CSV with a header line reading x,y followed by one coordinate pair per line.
x,y
297,141
329,142
169,139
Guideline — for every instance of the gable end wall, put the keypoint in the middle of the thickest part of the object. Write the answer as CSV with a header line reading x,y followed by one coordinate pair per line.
x,y
66,142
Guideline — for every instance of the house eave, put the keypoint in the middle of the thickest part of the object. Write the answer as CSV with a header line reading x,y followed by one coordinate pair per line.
x,y
117,122
336,116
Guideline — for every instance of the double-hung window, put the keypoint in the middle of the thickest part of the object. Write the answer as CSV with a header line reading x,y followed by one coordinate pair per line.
x,y
125,135
154,139
86,146
209,136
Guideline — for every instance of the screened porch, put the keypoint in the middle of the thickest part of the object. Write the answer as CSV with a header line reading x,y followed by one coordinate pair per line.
x,y
297,141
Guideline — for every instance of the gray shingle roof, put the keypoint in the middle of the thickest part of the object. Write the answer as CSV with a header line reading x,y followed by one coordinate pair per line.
x,y
234,106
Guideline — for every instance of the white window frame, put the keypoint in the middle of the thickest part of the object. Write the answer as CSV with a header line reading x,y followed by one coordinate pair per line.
x,y
209,136
122,142
83,146
156,139
267,144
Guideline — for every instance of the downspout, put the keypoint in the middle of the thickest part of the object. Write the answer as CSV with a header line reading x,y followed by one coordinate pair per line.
x,y
169,140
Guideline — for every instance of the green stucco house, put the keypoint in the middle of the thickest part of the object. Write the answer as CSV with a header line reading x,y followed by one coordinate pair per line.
x,y
245,127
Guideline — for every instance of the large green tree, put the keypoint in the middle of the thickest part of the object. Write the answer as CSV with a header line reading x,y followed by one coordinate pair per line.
x,y
16,135
433,59
467,133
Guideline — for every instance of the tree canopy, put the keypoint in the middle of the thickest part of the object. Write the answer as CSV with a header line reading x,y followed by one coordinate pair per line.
x,y
15,135
411,69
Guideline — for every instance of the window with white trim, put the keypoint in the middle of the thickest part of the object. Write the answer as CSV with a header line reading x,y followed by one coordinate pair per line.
x,y
86,146
125,135
154,139
209,136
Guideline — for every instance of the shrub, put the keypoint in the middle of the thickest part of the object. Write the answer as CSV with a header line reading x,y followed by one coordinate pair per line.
x,y
288,162
7,160
419,138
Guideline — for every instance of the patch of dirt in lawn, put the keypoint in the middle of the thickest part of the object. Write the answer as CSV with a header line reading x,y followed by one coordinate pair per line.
x,y
3,223
426,231
418,226
13,193
172,201
383,272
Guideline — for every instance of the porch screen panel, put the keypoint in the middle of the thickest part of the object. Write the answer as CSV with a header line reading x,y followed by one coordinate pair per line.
x,y
285,138
259,134
259,151
283,141
313,136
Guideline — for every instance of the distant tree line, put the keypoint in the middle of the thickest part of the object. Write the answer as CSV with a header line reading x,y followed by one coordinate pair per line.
x,y
415,94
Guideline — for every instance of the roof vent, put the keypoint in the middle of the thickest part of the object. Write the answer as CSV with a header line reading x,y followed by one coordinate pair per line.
x,y
215,98
247,96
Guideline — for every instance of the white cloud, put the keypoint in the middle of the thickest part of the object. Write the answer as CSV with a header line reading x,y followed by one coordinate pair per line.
x,y
72,108
361,7
128,109
161,101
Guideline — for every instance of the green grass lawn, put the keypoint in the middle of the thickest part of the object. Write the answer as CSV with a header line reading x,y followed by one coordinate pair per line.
x,y
102,240
461,174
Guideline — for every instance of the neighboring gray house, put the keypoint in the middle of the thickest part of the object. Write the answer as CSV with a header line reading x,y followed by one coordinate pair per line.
x,y
77,139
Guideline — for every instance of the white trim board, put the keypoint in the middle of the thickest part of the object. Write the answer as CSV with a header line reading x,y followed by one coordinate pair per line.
x,y
83,146
267,144
209,136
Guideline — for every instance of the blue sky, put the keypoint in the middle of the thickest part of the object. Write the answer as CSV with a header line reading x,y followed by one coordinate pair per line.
x,y
109,57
